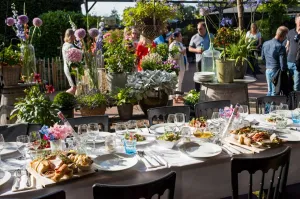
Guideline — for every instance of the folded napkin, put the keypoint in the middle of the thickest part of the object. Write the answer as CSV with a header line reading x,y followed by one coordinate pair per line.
x,y
23,185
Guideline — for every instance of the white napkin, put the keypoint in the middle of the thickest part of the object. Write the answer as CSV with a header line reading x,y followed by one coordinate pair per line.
x,y
23,185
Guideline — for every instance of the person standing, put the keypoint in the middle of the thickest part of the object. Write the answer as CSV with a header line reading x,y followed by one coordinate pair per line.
x,y
274,55
142,50
164,37
254,34
179,59
291,47
198,44
69,43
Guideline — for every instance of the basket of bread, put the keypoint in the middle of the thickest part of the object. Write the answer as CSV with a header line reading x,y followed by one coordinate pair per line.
x,y
61,166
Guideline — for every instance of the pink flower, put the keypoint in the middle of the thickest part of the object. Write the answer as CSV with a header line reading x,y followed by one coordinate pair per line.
x,y
60,132
37,22
22,19
74,55
80,33
203,12
93,32
10,21
50,89
106,35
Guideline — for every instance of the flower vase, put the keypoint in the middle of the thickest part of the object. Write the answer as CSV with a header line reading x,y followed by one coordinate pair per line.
x,y
56,145
29,62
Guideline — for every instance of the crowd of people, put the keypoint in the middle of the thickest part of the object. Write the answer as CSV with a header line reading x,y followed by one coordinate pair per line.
x,y
280,54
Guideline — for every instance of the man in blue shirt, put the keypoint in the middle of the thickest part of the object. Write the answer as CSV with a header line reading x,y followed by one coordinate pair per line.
x,y
274,55
198,44
164,37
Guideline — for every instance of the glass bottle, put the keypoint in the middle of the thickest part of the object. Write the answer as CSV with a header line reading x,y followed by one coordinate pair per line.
x,y
208,62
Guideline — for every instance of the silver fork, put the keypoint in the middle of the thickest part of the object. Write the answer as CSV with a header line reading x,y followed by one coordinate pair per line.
x,y
28,183
141,154
18,179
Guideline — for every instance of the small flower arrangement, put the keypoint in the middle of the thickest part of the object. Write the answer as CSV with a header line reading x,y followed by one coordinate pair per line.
x,y
227,112
152,61
56,132
170,66
225,36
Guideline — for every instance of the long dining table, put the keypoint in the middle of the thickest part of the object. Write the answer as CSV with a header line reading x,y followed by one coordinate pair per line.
x,y
207,178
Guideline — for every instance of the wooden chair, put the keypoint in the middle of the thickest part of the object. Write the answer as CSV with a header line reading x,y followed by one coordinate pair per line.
x,y
261,162
33,127
163,112
146,190
10,132
102,120
205,109
55,195
262,101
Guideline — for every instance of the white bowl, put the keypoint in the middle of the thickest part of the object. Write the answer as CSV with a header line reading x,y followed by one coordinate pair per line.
x,y
167,144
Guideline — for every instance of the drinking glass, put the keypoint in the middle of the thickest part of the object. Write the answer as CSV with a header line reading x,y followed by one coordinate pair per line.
x,y
281,122
171,118
186,132
245,112
179,120
132,125
83,132
22,144
121,129
130,146
93,130
296,116
284,107
110,143
215,116
35,140
2,144
273,109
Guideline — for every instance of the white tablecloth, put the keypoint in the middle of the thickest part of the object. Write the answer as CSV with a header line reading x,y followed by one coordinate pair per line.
x,y
196,178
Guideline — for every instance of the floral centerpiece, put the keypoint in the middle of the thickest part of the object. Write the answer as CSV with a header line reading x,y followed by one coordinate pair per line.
x,y
55,135
74,57
227,112
151,88
19,23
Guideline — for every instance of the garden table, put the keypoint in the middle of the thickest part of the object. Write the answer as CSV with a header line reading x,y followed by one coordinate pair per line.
x,y
236,92
196,178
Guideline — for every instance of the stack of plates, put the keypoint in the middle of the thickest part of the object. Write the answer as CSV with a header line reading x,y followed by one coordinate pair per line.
x,y
204,76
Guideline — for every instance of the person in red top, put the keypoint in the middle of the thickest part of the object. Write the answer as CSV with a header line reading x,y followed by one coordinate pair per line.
x,y
141,51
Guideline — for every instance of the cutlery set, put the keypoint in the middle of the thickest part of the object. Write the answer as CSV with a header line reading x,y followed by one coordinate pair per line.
x,y
150,159
234,149
18,175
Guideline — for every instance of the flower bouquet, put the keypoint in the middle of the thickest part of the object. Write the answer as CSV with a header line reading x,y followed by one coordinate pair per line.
x,y
55,135
227,112
74,58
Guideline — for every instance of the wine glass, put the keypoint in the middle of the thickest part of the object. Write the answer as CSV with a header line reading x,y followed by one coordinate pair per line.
x,y
22,144
284,106
273,109
171,118
2,144
179,120
93,130
131,125
35,140
215,117
121,129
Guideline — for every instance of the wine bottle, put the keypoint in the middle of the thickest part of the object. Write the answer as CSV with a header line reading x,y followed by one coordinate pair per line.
x,y
233,115
67,123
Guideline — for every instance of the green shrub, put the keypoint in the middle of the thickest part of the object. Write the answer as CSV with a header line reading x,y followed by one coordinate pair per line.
x,y
10,56
123,96
192,98
92,100
65,100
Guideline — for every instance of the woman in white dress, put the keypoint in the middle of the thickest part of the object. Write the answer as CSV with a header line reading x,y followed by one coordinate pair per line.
x,y
180,59
69,43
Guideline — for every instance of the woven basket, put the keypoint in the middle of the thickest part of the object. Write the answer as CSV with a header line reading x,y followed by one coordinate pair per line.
x,y
11,74
86,111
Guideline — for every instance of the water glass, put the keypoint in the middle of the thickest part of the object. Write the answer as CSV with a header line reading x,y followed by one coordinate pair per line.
x,y
215,116
281,122
186,132
296,116
171,118
22,144
130,146
273,109
2,144
93,131
131,125
179,120
121,129
110,143
35,140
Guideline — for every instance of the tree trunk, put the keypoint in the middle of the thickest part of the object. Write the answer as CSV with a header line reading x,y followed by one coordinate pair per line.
x,y
240,10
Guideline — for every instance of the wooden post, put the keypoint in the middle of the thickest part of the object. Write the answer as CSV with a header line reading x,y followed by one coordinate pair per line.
x,y
49,73
240,10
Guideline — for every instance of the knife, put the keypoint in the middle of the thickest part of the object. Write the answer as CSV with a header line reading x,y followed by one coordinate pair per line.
x,y
227,150
156,159
234,150
242,150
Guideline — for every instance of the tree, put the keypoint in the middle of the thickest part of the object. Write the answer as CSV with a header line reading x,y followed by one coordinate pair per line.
x,y
240,10
114,13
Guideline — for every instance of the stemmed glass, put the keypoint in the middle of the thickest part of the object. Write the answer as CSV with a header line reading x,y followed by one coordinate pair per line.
x,y
22,144
35,140
179,120
171,118
121,129
132,125
2,145
273,109
93,130
215,117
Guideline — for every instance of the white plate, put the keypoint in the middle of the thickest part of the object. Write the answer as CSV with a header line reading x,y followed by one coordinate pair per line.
x,y
115,162
198,74
289,137
204,150
9,147
287,113
263,119
160,128
6,178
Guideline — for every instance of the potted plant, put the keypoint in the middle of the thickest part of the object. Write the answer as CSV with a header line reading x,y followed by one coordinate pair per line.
x,y
92,103
192,98
66,103
225,66
119,61
239,51
124,101
36,107
10,63
151,88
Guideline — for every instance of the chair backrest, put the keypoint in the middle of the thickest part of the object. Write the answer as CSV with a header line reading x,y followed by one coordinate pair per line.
x,y
102,120
205,109
262,101
55,195
146,190
261,162
10,132
163,112
33,127
294,99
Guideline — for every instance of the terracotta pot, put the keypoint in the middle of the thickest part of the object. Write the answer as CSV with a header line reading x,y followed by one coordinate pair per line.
x,y
87,111
240,70
156,99
225,70
125,111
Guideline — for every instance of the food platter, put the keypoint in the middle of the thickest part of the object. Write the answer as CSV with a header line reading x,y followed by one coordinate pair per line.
x,y
115,162
140,138
200,150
